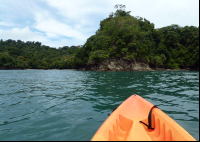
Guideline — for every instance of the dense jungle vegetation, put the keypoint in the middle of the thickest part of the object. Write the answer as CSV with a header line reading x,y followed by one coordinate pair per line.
x,y
119,36
33,55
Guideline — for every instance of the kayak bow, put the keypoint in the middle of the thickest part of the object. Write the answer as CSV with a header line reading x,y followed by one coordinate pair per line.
x,y
138,120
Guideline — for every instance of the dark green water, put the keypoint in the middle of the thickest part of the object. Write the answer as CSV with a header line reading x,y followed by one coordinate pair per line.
x,y
71,105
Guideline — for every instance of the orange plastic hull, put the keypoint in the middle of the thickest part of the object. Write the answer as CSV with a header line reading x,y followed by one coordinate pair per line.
x,y
124,124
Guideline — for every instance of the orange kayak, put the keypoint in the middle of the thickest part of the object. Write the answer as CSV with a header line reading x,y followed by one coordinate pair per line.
x,y
138,120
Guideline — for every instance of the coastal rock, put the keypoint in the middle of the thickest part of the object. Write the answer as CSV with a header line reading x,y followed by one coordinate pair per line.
x,y
140,67
120,65
124,65
112,66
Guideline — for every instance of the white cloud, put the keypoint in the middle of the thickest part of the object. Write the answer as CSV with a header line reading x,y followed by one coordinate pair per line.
x,y
164,12
51,35
3,24
20,9
63,42
80,9
68,22
160,12
26,34
45,23
16,33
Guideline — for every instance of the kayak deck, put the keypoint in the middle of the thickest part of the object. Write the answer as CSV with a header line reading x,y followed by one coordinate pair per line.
x,y
124,124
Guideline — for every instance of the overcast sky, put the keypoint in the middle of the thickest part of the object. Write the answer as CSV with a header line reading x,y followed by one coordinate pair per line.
x,y
58,23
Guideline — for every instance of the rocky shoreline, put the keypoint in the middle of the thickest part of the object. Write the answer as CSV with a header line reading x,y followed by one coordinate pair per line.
x,y
113,65
122,65
84,69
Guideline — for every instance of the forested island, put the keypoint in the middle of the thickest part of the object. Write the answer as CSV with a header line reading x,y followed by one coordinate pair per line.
x,y
122,43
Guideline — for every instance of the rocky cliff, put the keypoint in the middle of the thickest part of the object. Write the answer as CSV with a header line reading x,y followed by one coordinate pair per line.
x,y
124,65
119,65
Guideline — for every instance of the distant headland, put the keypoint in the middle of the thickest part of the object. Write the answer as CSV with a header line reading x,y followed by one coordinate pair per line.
x,y
122,43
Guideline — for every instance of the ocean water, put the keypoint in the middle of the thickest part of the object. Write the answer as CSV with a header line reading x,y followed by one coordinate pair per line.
x,y
42,105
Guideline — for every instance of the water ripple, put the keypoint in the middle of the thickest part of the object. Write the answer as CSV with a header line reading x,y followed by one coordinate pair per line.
x,y
71,105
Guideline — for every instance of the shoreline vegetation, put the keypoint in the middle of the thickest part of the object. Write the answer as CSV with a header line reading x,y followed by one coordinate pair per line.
x,y
122,43
83,69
